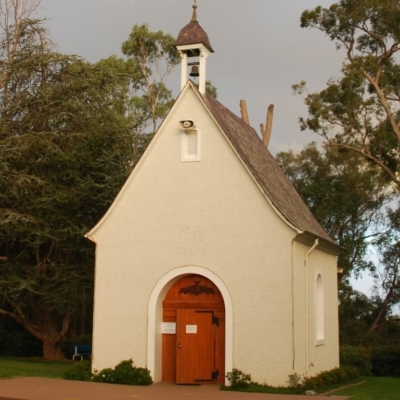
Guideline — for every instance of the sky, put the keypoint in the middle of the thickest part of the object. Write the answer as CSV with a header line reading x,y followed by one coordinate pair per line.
x,y
260,51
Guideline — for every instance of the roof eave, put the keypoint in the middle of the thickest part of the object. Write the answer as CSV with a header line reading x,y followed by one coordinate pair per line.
x,y
330,243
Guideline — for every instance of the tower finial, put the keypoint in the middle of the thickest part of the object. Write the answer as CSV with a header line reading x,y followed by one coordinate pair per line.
x,y
194,16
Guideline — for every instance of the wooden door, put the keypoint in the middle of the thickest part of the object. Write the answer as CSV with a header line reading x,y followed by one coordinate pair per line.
x,y
195,341
198,302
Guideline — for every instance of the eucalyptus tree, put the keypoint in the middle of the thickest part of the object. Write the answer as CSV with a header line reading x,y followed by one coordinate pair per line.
x,y
346,195
351,199
151,57
359,111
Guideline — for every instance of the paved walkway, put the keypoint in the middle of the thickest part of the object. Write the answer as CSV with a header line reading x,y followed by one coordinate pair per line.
x,y
59,389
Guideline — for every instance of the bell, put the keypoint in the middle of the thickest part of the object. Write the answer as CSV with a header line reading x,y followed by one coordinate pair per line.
x,y
195,71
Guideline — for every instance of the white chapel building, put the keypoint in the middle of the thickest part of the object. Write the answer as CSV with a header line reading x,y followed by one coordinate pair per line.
x,y
208,259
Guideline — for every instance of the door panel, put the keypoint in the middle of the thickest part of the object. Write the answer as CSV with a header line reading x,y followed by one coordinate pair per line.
x,y
195,346
197,293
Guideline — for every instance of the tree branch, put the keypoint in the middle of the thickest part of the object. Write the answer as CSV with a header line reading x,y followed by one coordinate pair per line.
x,y
369,156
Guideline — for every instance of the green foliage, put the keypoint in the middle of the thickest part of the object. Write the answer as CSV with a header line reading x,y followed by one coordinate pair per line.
x,y
356,313
70,134
125,373
379,360
65,151
328,379
16,342
211,89
81,371
142,377
344,193
351,199
238,379
106,375
19,344
151,58
386,360
359,110
149,48
357,357
294,382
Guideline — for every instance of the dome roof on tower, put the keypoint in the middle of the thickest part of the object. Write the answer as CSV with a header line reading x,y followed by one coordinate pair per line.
x,y
193,33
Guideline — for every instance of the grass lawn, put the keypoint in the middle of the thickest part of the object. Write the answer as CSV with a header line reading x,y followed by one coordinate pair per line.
x,y
14,367
373,389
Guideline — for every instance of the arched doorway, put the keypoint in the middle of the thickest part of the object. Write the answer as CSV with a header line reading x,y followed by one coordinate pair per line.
x,y
193,338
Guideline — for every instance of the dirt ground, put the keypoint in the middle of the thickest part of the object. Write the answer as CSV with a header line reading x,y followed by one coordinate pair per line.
x,y
59,389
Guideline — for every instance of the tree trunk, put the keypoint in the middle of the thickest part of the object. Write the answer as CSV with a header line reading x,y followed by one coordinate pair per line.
x,y
382,312
51,348
44,327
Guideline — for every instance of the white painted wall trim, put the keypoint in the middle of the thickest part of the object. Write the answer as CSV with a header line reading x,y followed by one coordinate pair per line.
x,y
155,313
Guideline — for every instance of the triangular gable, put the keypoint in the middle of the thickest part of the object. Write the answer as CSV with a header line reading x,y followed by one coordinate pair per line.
x,y
256,158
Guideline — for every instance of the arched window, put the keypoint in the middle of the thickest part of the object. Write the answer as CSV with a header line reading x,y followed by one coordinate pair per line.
x,y
319,310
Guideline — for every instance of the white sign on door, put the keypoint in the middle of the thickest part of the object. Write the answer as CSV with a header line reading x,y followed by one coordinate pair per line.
x,y
191,328
168,328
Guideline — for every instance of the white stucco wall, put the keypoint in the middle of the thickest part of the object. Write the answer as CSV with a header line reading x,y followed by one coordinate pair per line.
x,y
209,214
321,356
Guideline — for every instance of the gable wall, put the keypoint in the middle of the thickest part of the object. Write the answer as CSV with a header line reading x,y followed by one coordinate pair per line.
x,y
210,214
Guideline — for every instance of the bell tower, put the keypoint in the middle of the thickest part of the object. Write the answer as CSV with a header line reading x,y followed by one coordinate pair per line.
x,y
194,47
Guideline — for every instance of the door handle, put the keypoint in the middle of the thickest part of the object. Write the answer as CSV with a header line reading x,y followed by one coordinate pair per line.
x,y
179,345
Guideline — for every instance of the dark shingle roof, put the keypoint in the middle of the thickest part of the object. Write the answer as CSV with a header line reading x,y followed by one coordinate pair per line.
x,y
193,33
265,170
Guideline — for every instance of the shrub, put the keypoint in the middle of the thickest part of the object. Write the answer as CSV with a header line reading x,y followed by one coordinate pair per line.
x,y
238,379
17,343
106,375
125,373
356,357
319,383
142,376
326,379
81,371
294,382
386,361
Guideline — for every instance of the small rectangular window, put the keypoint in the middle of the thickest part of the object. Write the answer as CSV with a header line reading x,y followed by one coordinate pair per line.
x,y
191,141
190,144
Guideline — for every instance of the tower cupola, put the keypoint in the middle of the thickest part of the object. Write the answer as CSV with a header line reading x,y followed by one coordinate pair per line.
x,y
194,47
